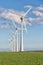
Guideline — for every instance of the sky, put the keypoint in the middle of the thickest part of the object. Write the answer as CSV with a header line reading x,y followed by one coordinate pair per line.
x,y
11,10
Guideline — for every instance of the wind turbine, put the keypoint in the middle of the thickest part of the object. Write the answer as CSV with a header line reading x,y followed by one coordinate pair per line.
x,y
6,26
21,31
16,37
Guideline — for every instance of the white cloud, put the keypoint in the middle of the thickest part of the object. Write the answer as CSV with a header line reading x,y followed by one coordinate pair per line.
x,y
14,15
3,26
28,6
38,18
41,23
40,8
35,20
38,13
11,15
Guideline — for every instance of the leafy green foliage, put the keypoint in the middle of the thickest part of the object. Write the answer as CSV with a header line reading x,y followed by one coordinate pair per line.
x,y
21,58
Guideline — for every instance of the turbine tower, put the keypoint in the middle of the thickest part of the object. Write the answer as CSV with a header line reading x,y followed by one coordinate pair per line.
x,y
21,32
16,39
21,36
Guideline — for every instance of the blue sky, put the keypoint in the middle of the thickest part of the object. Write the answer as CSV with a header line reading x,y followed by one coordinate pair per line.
x,y
33,38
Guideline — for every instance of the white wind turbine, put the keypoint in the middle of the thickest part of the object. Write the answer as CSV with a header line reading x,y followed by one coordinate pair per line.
x,y
6,26
16,37
21,31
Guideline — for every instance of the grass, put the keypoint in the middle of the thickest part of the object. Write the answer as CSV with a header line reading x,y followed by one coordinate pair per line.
x,y
21,58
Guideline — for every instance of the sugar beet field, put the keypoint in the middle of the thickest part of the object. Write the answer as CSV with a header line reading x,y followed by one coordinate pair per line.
x,y
21,58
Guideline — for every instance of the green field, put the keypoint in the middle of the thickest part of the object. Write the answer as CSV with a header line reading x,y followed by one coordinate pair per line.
x,y
21,58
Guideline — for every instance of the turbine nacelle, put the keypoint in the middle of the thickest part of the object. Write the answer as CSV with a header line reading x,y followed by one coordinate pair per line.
x,y
18,28
21,19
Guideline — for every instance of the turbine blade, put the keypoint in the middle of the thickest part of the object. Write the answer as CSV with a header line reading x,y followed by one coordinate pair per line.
x,y
14,25
25,28
27,12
